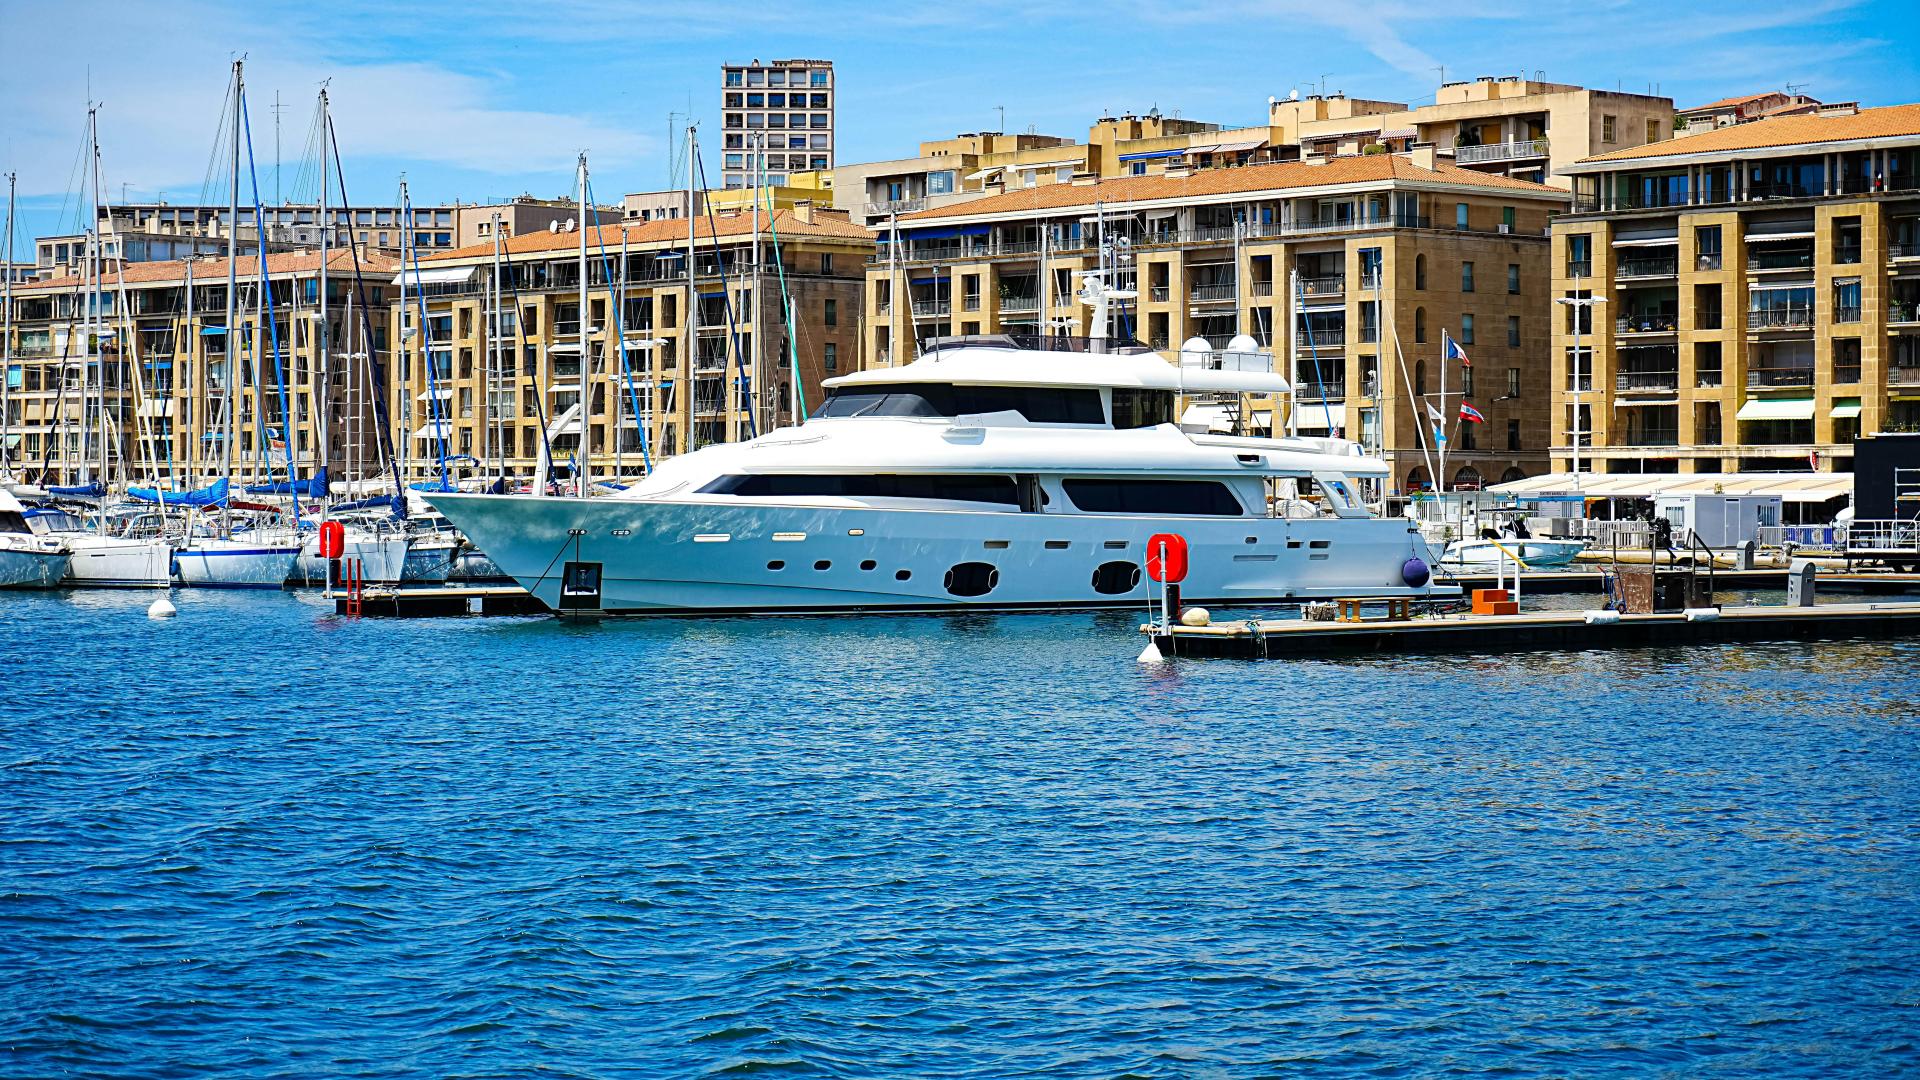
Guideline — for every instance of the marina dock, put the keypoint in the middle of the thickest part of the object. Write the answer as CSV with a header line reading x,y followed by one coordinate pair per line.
x,y
1255,639
409,602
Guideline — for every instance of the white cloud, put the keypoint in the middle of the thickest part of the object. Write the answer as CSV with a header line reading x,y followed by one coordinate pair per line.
x,y
161,74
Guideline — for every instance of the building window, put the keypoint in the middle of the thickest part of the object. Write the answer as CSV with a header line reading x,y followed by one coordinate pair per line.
x,y
940,183
1466,329
1419,271
1706,247
1139,169
735,77
1513,279
833,356
1460,215
1420,326
1466,276
1653,131
1607,133
1506,218
819,78
1466,380
1846,300
1513,434
826,262
831,313
1513,382
1419,373
1513,331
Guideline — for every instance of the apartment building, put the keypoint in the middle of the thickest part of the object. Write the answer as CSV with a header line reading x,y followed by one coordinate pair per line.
x,y
484,392
177,379
1507,126
1743,109
1759,296
1353,266
776,118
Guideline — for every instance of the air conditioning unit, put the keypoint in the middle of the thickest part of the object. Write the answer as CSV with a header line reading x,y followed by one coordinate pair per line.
x,y
1505,229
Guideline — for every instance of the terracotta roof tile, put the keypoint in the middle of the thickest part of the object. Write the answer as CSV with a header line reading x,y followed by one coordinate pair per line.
x,y
665,230
1357,169
1891,121
213,270
1728,103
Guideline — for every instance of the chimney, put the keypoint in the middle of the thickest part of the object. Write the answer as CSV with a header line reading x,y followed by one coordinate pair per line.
x,y
1422,155
803,211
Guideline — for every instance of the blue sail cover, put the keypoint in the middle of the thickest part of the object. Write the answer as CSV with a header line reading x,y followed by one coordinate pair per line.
x,y
81,491
214,494
313,487
393,503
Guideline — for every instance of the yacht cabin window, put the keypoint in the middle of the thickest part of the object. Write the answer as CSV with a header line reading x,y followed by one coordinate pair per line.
x,y
1141,408
956,487
1039,404
1209,498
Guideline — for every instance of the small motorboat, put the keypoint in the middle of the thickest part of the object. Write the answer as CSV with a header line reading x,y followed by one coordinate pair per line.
x,y
28,559
1533,553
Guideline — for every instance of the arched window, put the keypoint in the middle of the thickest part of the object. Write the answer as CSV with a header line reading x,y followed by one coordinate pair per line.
x,y
1512,474
1417,479
1419,379
1419,271
1467,479
1419,324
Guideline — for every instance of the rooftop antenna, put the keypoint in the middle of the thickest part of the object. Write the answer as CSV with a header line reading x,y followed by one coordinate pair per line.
x,y
1793,89
278,199
1442,69
1003,118
1323,81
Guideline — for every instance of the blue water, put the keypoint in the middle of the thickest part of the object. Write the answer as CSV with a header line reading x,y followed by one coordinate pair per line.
x,y
261,841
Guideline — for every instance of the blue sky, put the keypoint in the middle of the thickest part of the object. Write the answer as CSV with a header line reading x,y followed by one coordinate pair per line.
x,y
489,98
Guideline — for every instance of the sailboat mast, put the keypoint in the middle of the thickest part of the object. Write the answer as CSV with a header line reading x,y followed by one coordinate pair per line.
x,y
6,335
230,351
693,291
622,379
582,473
192,463
95,299
496,365
404,385
322,394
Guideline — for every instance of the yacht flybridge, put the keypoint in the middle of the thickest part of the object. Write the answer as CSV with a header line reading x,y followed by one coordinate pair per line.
x,y
993,472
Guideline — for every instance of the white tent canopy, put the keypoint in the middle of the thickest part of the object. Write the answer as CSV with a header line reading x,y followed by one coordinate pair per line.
x,y
1791,487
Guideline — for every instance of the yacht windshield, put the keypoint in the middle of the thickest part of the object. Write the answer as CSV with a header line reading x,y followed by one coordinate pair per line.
x,y
1039,404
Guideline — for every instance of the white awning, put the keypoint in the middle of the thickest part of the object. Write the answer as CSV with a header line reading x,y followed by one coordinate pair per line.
x,y
1806,487
1207,149
1647,241
1236,147
1777,409
443,275
1641,404
1763,238
982,174
1023,166
1845,409
1320,417
442,394
1400,133
440,430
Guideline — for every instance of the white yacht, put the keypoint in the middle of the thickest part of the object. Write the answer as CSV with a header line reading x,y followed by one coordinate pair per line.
x,y
28,559
993,472
119,548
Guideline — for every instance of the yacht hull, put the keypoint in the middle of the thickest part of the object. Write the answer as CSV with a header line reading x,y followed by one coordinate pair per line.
x,y
1539,554
428,561
235,564
23,569
662,557
106,562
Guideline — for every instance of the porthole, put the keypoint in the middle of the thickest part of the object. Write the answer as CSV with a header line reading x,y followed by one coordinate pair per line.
x,y
996,545
1253,539
823,564
777,565
972,579
902,575
1114,578
1058,545
868,564
1116,545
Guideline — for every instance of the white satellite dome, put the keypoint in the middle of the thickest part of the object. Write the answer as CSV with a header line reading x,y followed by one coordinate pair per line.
x,y
1196,345
1243,343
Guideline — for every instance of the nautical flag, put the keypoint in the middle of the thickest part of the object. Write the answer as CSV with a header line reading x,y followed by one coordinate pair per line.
x,y
1468,412
1451,350
1433,413
1439,434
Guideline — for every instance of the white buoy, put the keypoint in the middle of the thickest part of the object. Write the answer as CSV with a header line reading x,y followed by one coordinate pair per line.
x,y
162,608
1151,654
1196,616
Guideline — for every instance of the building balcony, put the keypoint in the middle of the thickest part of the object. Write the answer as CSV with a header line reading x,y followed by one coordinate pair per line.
x,y
1641,381
1785,318
1650,323
1766,261
1847,255
1651,437
1322,337
1518,150
1580,268
1850,313
1904,249
1012,304
1794,375
932,307
1846,373
1904,375
970,303
1328,285
1263,288
1707,319
1214,293
1306,389
1160,294
1631,269
885,207
1901,312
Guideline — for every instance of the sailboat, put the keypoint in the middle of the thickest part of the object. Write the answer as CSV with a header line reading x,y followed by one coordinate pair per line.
x,y
118,552
28,560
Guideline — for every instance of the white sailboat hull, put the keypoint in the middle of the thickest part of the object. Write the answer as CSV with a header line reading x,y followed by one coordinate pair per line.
x,y
1534,553
235,564
32,567
662,557
428,561
382,559
110,562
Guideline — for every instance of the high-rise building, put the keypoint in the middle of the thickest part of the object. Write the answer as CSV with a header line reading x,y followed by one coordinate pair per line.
x,y
778,116
1745,299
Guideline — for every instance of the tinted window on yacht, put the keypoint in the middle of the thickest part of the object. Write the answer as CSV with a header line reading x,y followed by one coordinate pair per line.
x,y
1200,497
1039,404
13,521
953,488
1141,408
